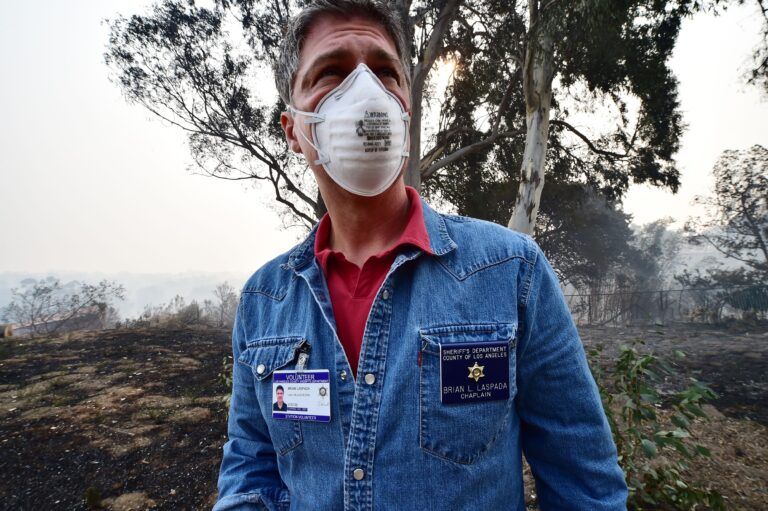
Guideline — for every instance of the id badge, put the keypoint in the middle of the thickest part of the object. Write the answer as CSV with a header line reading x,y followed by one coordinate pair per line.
x,y
474,372
302,395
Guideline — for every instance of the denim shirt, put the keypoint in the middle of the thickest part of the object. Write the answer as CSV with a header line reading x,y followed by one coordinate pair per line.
x,y
391,443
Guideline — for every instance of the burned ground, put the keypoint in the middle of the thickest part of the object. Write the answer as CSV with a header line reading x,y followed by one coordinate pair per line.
x,y
109,414
136,419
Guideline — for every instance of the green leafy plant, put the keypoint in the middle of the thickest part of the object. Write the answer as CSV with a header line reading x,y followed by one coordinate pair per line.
x,y
653,452
225,375
225,378
92,497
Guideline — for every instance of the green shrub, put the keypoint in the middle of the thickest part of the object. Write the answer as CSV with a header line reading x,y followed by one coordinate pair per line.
x,y
225,375
652,454
225,378
92,497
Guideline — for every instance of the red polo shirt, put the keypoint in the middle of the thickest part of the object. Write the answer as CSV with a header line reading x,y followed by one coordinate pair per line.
x,y
353,289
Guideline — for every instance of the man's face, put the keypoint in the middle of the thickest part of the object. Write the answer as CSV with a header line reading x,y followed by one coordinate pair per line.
x,y
280,396
332,49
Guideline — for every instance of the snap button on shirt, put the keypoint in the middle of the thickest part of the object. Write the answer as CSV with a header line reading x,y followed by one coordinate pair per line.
x,y
358,474
370,379
261,368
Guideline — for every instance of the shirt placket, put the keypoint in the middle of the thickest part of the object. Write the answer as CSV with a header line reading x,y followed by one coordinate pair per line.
x,y
345,386
359,400
361,442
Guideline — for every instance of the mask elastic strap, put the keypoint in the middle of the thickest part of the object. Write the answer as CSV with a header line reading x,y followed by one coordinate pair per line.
x,y
323,158
312,117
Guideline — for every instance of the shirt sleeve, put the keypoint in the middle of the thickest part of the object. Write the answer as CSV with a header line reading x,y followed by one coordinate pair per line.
x,y
565,434
248,475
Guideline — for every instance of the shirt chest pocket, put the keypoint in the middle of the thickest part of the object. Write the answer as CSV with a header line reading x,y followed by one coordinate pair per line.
x,y
462,412
265,356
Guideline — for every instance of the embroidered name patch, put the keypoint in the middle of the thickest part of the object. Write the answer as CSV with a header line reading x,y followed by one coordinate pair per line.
x,y
474,372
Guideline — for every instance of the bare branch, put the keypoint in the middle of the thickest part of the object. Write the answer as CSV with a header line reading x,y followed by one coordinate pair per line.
x,y
444,18
427,167
464,151
587,141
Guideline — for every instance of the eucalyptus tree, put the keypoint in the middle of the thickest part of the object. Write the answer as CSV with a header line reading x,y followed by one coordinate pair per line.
x,y
579,89
758,74
735,214
516,66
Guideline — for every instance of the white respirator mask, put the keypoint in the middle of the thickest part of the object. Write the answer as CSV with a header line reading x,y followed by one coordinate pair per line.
x,y
361,133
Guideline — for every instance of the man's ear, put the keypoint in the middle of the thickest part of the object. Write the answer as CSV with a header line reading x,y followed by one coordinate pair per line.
x,y
287,123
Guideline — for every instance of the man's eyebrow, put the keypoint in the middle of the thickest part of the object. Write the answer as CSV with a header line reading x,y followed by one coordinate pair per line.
x,y
382,54
329,56
342,53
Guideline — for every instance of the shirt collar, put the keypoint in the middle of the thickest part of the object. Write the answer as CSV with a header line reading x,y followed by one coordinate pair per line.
x,y
414,232
437,238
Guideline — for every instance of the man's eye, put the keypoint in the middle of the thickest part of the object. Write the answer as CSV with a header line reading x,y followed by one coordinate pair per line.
x,y
329,71
387,71
389,74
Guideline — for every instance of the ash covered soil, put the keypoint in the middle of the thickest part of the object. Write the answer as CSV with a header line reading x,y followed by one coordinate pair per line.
x,y
135,419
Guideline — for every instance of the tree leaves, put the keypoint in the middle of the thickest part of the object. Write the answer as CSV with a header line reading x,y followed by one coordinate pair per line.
x,y
649,448
736,219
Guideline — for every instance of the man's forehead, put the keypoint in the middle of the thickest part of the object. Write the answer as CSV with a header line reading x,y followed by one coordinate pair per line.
x,y
329,31
341,54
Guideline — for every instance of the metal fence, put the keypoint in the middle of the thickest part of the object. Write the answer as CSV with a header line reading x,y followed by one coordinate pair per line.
x,y
709,305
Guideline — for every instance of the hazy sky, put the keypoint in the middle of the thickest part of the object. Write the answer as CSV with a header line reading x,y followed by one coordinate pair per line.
x,y
91,183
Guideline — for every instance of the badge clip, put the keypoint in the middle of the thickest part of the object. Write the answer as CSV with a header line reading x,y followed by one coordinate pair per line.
x,y
304,350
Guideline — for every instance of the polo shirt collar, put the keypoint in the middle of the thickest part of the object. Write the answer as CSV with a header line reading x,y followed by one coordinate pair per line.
x,y
414,232
439,240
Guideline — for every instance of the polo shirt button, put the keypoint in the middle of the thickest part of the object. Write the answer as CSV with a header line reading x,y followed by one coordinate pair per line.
x,y
358,474
261,368
385,294
370,378
343,375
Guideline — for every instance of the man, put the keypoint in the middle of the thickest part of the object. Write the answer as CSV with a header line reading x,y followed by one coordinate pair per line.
x,y
279,405
446,343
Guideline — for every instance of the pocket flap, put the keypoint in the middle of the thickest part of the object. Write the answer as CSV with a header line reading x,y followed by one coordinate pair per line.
x,y
265,356
433,337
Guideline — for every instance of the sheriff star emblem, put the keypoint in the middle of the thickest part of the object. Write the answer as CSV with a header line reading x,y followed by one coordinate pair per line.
x,y
476,372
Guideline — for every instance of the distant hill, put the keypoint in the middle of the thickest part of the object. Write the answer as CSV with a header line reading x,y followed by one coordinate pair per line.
x,y
155,288
141,289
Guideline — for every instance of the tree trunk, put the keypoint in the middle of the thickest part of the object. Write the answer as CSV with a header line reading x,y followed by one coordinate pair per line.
x,y
419,74
320,208
412,171
537,86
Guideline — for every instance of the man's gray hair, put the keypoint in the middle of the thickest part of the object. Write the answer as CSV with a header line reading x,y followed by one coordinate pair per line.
x,y
288,58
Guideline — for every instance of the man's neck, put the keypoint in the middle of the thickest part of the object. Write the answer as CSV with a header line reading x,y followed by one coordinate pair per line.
x,y
364,226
